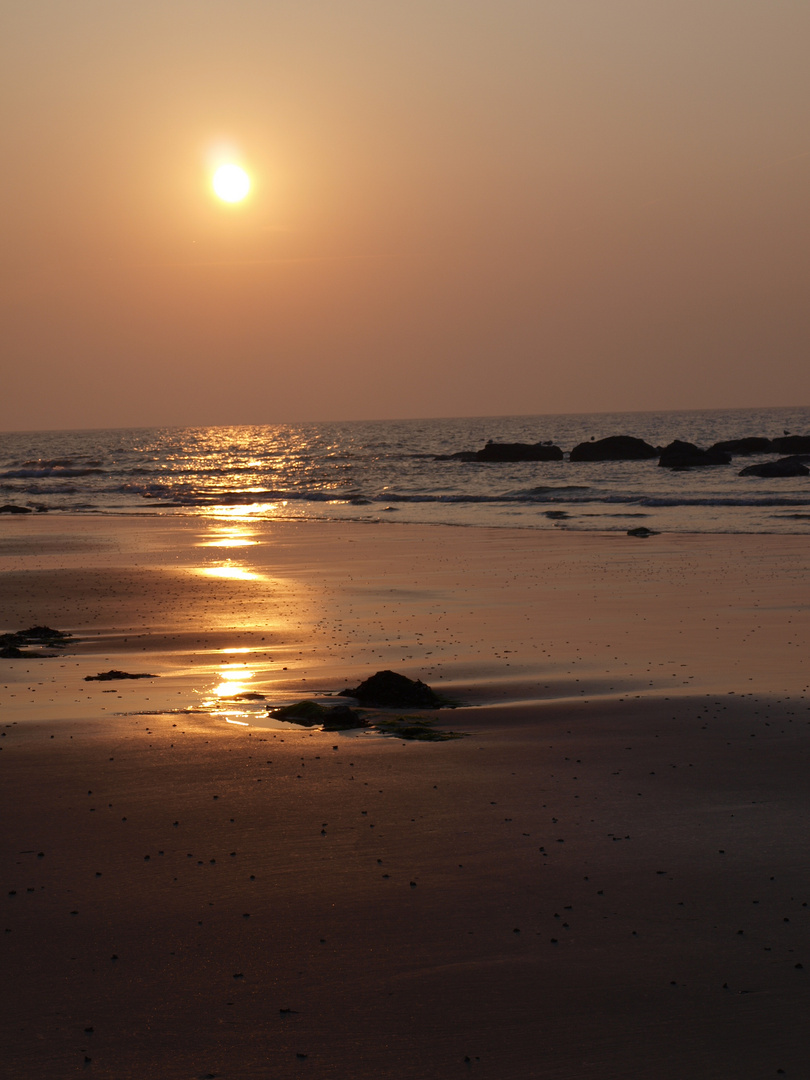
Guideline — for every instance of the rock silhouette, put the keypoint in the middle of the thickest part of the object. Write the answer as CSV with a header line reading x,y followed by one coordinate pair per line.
x,y
791,444
614,448
790,466
685,455
517,451
752,444
388,689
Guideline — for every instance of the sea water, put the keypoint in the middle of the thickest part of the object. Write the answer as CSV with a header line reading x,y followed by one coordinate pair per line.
x,y
398,471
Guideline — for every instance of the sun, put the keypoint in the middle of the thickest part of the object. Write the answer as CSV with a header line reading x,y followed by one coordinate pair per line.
x,y
231,183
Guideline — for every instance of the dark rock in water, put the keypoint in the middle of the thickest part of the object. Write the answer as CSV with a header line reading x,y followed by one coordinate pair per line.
x,y
791,444
789,466
614,448
642,531
11,652
751,445
108,676
685,455
10,508
556,515
508,452
387,689
310,713
680,448
519,452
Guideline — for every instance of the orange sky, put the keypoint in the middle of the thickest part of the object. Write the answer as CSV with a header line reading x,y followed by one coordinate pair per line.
x,y
459,207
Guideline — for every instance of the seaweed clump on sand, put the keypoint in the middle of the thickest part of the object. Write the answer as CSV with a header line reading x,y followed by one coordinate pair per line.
x,y
390,690
415,727
12,645
311,714
109,676
342,718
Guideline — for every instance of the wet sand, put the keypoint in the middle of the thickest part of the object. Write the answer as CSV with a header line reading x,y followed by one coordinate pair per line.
x,y
607,877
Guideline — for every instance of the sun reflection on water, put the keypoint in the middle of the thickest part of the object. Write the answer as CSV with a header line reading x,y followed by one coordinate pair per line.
x,y
231,572
220,700
228,692
231,536
245,512
234,680
230,542
228,537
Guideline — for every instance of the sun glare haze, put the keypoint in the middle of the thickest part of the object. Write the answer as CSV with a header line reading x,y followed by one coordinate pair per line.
x,y
361,211
231,183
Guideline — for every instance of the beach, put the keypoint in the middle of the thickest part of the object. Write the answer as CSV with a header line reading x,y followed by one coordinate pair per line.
x,y
606,876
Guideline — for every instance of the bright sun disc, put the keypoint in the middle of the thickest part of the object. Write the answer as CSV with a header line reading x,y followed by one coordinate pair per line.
x,y
231,183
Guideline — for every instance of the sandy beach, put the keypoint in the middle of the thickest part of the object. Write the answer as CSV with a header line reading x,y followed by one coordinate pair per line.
x,y
607,876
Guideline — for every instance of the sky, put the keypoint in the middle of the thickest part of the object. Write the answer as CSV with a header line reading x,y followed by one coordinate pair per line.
x,y
458,208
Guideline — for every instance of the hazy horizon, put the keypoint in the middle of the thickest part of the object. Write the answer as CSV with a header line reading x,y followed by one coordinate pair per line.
x,y
416,419
456,209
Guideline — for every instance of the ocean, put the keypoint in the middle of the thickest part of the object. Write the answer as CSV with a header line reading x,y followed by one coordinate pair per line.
x,y
395,471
